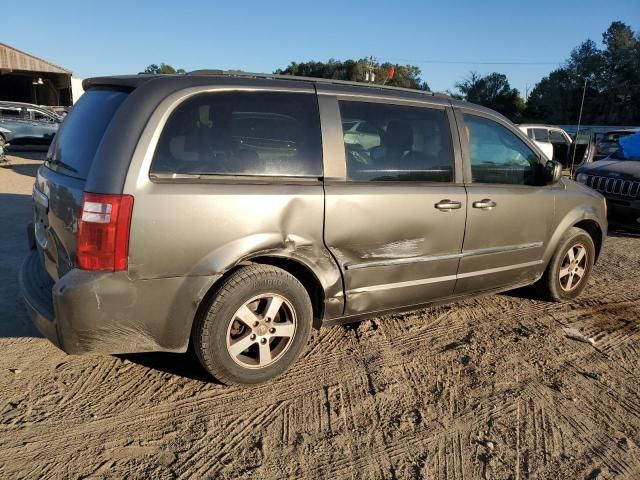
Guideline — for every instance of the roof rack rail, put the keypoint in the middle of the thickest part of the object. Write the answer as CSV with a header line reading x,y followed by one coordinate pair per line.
x,y
276,76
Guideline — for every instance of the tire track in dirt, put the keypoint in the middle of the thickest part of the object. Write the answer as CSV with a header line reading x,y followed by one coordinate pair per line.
x,y
485,387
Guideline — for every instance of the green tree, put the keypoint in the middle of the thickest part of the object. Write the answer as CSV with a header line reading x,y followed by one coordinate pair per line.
x,y
492,91
620,74
612,76
407,76
163,68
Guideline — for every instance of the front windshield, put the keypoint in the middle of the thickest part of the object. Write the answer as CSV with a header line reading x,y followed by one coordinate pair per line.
x,y
629,148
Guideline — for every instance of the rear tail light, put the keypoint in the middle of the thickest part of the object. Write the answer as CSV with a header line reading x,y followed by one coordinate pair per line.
x,y
103,232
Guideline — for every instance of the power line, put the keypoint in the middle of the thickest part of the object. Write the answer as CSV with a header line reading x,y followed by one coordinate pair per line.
x,y
469,62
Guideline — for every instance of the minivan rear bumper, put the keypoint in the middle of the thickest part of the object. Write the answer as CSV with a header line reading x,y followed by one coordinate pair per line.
x,y
109,313
35,286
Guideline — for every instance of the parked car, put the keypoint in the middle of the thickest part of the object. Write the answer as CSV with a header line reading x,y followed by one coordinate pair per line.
x,y
617,177
159,222
26,124
608,142
559,146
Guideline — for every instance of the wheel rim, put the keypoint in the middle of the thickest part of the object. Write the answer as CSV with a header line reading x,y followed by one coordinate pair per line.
x,y
573,267
261,331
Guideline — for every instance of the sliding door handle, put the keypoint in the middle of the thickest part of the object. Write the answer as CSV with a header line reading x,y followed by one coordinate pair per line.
x,y
485,204
447,205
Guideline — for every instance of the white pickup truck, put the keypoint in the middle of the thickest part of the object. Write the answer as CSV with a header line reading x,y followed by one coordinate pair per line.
x,y
558,145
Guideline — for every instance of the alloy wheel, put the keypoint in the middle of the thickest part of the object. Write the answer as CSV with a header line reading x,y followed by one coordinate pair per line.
x,y
573,267
261,331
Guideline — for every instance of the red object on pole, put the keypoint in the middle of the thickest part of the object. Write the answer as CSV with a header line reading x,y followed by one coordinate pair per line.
x,y
391,73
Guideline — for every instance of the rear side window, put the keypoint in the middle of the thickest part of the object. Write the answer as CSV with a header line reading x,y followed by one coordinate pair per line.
x,y
385,142
242,133
8,112
78,139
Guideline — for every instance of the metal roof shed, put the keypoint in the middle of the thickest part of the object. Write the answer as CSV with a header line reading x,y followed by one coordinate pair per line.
x,y
27,78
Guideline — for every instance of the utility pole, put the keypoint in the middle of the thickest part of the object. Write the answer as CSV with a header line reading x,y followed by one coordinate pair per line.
x,y
370,75
575,141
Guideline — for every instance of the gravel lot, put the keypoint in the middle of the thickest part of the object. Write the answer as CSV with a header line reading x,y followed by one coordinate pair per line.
x,y
497,387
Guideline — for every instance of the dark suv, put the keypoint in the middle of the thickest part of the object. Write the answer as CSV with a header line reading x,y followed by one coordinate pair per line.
x,y
617,177
237,211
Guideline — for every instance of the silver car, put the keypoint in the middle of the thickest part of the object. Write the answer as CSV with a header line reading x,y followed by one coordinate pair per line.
x,y
26,124
235,213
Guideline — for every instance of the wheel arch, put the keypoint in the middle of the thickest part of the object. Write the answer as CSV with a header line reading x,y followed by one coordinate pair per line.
x,y
595,232
304,274
583,218
302,270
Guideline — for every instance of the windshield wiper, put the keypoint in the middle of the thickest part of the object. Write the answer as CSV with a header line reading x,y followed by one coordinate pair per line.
x,y
63,165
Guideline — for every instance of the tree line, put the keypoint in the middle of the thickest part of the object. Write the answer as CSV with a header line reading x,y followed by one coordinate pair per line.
x,y
611,73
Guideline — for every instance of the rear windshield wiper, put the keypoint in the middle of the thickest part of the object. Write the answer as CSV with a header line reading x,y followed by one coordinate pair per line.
x,y
63,165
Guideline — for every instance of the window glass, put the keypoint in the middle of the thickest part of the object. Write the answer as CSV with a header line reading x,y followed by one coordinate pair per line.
x,y
10,112
541,135
498,155
77,141
556,137
583,137
395,142
38,116
242,133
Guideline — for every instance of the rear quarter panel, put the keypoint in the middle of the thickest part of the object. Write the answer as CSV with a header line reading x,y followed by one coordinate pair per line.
x,y
204,228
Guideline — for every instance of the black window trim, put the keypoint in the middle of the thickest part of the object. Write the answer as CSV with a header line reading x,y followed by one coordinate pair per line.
x,y
453,130
223,178
459,115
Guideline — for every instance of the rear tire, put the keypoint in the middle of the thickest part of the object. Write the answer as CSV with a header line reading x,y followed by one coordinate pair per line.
x,y
570,266
256,325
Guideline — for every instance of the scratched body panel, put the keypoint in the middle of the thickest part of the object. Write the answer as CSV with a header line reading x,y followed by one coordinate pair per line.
x,y
235,223
109,312
367,224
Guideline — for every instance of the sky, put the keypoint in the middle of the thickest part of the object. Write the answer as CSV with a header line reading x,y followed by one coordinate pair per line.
x,y
524,40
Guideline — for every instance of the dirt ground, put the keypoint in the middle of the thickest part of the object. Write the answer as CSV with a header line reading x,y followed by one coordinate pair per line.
x,y
497,387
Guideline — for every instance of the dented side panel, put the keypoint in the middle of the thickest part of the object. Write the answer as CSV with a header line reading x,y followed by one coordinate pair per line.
x,y
393,246
235,222
204,227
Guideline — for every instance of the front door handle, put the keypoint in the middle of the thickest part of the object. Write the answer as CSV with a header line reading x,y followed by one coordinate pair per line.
x,y
447,205
485,204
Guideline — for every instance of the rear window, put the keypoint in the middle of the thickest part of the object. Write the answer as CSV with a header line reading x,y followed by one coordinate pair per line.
x,y
541,135
81,133
615,136
242,133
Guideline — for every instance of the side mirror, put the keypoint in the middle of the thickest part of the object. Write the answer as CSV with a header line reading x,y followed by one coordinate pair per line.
x,y
552,172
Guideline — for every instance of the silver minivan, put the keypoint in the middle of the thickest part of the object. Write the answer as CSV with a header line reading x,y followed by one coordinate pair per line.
x,y
235,212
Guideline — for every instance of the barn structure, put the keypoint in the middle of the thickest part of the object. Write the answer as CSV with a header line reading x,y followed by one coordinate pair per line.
x,y
27,78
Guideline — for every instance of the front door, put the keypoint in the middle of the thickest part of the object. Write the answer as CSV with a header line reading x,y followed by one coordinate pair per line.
x,y
395,221
582,150
509,211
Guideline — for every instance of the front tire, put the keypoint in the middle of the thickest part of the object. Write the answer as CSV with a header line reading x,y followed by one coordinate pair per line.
x,y
570,266
256,325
